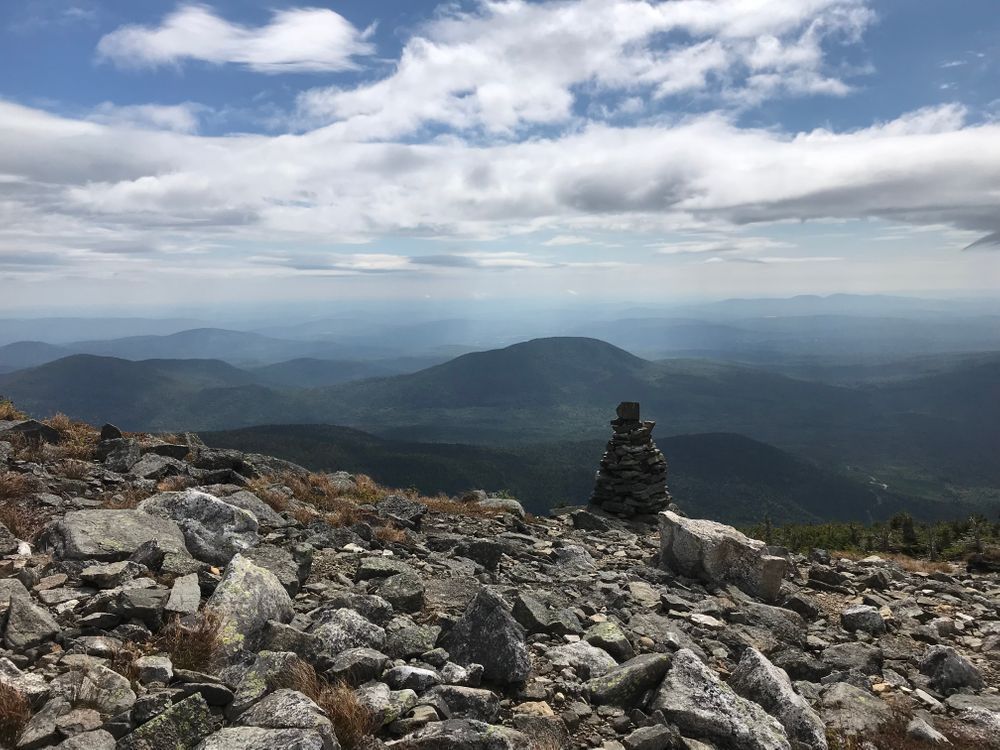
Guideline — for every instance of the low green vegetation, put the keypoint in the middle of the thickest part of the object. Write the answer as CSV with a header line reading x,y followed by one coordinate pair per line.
x,y
901,534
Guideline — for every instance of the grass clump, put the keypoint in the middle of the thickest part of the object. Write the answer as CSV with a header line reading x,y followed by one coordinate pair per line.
x,y
352,720
17,512
78,440
15,711
195,645
125,499
267,490
9,412
390,534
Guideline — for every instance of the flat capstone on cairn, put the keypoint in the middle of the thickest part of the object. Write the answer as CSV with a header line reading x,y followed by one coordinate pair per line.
x,y
632,479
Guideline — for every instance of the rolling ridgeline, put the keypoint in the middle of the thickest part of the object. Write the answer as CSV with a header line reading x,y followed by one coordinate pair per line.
x,y
742,442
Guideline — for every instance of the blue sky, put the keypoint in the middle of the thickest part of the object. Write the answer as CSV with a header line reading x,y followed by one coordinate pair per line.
x,y
614,149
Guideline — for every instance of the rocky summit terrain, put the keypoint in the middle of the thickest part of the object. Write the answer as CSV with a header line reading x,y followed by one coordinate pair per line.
x,y
157,593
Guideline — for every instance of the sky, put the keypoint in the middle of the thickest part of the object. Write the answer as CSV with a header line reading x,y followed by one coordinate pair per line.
x,y
188,154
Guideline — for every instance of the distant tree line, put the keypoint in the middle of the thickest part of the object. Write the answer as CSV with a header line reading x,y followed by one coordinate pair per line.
x,y
935,540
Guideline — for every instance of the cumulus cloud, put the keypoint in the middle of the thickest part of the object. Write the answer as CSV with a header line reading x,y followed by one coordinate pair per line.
x,y
88,182
141,177
510,64
296,40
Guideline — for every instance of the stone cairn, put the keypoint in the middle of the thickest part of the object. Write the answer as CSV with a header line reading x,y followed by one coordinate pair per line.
x,y
632,480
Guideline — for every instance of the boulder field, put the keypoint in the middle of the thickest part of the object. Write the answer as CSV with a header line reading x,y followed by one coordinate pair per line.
x,y
166,595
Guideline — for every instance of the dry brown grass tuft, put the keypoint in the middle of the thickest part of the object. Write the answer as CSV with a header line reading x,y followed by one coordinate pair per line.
x,y
193,646
16,487
79,439
15,710
907,563
443,504
266,489
10,412
71,468
123,660
352,720
344,513
16,511
304,515
125,499
175,483
26,448
390,535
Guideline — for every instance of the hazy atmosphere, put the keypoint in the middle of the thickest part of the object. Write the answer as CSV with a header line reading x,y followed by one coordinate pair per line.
x,y
160,154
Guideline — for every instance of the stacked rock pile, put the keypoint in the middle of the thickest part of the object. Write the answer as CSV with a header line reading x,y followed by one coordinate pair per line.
x,y
632,480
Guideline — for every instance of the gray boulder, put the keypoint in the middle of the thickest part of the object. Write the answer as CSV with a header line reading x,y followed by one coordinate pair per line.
x,y
626,684
109,535
948,670
99,739
852,711
260,679
610,637
488,634
692,697
758,680
586,660
343,629
280,562
264,513
26,624
213,530
246,598
290,709
467,702
29,428
862,617
718,553
98,687
463,734
259,738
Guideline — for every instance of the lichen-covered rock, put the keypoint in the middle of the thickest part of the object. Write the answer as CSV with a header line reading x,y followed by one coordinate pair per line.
x,y
692,697
261,679
182,725
488,634
715,552
109,535
625,684
758,680
213,530
99,687
290,709
246,598
259,738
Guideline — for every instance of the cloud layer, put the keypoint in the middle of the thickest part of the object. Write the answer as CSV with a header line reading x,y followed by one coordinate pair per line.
x,y
503,123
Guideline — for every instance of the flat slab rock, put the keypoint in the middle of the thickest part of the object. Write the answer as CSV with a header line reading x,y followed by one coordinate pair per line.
x,y
718,553
109,535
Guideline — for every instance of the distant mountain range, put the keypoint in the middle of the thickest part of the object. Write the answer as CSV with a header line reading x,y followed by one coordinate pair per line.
x,y
935,436
718,475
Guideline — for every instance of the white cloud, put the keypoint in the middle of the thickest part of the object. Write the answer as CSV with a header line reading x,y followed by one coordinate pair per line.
x,y
562,240
510,64
86,185
181,118
296,40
